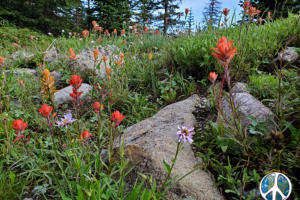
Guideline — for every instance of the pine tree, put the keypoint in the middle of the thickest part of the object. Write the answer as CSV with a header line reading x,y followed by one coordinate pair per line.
x,y
144,11
278,8
110,14
190,20
212,12
40,15
169,7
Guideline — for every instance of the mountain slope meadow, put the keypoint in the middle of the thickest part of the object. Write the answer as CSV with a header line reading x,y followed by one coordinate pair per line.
x,y
66,100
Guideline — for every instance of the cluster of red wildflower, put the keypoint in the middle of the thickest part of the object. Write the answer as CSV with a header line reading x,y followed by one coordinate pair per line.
x,y
76,82
19,126
157,32
145,29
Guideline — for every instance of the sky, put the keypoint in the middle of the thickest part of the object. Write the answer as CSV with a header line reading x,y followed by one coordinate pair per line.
x,y
198,7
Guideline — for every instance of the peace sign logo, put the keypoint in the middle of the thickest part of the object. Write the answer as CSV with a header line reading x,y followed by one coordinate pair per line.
x,y
275,186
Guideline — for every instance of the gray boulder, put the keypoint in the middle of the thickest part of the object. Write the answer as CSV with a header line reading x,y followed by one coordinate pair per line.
x,y
239,88
57,75
151,141
247,105
52,56
85,64
290,55
22,55
63,96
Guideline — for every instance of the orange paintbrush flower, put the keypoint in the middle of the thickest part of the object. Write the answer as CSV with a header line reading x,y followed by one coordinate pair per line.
x,y
157,32
133,28
48,82
139,35
252,11
31,38
224,51
269,15
225,11
72,55
105,58
108,70
123,32
115,31
122,56
150,56
85,33
96,53
246,5
212,77
94,23
179,15
2,61
15,44
21,82
166,18
260,20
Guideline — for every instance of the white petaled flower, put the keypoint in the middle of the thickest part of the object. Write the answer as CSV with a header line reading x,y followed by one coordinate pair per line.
x,y
130,27
141,43
49,33
133,57
63,31
124,22
80,38
131,43
92,41
70,33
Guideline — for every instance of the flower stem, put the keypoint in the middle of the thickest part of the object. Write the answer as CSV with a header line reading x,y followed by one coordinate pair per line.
x,y
173,163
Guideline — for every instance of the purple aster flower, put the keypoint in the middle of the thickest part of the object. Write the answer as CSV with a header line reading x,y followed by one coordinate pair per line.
x,y
67,120
50,34
116,57
185,133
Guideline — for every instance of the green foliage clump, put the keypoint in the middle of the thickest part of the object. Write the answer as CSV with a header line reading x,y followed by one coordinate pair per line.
x,y
263,85
193,55
10,35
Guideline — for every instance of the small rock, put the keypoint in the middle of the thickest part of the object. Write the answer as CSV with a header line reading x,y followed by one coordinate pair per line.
x,y
57,76
20,55
63,96
164,81
290,55
247,105
28,199
239,88
21,71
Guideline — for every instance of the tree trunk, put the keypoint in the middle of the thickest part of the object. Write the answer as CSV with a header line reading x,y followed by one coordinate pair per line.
x,y
88,13
77,16
166,13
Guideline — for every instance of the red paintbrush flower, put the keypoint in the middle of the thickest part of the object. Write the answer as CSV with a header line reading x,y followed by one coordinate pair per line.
x,y
75,81
46,110
225,11
117,117
96,106
212,77
85,136
19,125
